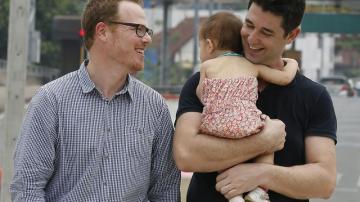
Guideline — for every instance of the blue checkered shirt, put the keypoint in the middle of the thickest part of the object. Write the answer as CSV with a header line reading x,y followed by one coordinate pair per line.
x,y
77,146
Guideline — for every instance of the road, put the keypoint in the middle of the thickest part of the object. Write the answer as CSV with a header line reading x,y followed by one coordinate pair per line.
x,y
347,149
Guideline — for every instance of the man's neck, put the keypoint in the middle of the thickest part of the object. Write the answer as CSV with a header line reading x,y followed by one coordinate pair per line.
x,y
277,64
107,77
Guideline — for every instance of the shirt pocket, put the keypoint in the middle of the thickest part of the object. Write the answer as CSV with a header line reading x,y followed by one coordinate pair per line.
x,y
138,141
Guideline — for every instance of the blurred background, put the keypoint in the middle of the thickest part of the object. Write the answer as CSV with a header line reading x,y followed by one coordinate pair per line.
x,y
329,35
328,51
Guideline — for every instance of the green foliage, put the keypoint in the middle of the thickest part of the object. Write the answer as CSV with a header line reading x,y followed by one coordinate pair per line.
x,y
47,9
352,72
174,75
50,53
4,16
45,12
150,74
348,43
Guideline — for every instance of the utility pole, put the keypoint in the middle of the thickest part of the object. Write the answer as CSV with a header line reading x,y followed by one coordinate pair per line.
x,y
195,36
17,58
34,36
211,7
164,45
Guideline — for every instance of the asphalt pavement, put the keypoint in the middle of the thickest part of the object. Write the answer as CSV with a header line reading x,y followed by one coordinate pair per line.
x,y
347,151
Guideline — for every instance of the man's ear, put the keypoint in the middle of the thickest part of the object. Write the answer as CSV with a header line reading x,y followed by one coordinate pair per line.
x,y
293,34
101,31
210,45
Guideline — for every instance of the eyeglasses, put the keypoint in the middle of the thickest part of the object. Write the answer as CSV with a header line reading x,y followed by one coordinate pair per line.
x,y
140,29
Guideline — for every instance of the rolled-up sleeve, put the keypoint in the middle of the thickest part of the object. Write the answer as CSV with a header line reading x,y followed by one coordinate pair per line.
x,y
165,177
35,149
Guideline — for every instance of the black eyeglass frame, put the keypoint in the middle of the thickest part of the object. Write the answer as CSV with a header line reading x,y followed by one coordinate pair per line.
x,y
138,27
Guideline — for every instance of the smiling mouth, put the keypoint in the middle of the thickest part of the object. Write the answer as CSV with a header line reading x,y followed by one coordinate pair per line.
x,y
140,51
254,48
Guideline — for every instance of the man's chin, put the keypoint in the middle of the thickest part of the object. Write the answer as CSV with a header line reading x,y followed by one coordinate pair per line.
x,y
137,68
252,58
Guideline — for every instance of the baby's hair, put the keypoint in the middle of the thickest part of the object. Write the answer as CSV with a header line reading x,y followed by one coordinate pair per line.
x,y
223,28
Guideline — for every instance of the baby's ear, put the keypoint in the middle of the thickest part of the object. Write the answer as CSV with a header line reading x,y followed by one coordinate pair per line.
x,y
210,45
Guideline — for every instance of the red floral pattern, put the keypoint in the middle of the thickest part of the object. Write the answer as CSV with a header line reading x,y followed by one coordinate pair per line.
x,y
230,107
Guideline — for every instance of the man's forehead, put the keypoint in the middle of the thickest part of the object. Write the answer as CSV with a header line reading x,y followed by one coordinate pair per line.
x,y
265,20
128,9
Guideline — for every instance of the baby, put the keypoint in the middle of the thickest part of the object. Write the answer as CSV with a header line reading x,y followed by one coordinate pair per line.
x,y
228,86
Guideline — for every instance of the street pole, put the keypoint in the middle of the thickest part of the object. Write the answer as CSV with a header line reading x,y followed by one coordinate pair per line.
x,y
195,36
164,45
321,46
17,59
211,7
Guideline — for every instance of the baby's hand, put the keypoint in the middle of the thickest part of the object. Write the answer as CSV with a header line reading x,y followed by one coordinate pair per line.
x,y
291,62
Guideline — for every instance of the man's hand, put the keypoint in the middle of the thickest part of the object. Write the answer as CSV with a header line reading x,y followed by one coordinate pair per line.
x,y
240,178
315,179
273,134
246,177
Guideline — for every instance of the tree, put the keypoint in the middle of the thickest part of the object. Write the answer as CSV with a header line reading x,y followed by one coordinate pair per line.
x,y
45,12
4,22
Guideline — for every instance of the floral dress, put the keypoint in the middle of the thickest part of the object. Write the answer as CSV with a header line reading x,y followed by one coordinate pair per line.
x,y
230,107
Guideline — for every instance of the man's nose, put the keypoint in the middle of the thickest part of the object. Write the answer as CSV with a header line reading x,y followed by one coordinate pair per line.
x,y
147,39
253,37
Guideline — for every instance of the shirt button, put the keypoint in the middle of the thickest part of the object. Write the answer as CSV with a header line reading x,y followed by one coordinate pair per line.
x,y
105,184
108,130
106,157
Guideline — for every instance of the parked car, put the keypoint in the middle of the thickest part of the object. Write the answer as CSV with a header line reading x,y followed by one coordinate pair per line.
x,y
338,86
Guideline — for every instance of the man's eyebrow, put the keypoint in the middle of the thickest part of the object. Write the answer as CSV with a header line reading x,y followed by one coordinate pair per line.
x,y
248,21
268,30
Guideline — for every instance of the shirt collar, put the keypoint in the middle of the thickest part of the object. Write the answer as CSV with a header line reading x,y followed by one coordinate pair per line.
x,y
128,87
88,85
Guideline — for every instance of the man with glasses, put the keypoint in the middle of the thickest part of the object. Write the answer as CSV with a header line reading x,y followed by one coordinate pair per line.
x,y
98,134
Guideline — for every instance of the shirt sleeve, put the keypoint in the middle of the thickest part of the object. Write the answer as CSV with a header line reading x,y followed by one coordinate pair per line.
x,y
322,121
188,100
165,177
35,150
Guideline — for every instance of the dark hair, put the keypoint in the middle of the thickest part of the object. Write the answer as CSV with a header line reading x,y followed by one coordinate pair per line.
x,y
224,29
292,11
99,11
